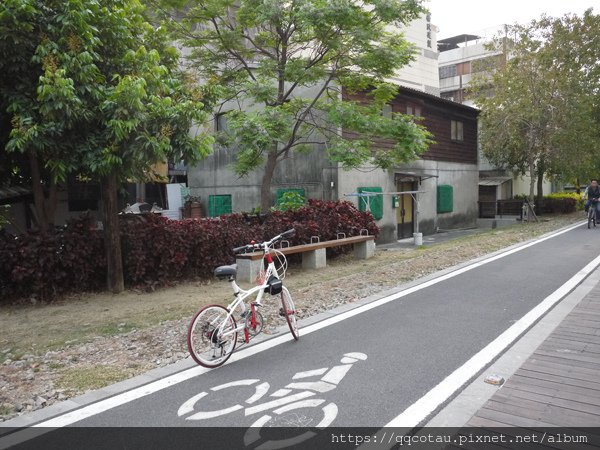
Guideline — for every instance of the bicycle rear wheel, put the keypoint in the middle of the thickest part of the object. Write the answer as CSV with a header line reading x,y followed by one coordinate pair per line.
x,y
211,336
288,310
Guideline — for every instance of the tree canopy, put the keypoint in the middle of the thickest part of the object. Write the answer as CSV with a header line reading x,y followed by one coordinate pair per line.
x,y
94,87
539,108
279,68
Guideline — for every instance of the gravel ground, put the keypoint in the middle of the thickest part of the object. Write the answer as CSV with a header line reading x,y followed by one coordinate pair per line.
x,y
33,381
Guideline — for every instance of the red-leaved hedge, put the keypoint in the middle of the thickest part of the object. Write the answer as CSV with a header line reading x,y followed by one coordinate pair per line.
x,y
156,250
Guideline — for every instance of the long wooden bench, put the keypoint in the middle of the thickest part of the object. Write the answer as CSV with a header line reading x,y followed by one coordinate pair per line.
x,y
313,255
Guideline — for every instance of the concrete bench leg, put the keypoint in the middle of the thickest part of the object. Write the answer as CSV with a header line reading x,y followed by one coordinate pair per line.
x,y
248,270
315,259
364,250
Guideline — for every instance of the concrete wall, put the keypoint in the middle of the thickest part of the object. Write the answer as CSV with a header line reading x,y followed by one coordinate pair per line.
x,y
521,185
462,177
214,176
350,180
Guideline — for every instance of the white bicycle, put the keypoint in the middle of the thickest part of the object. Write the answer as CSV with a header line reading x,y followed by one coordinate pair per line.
x,y
213,332
284,406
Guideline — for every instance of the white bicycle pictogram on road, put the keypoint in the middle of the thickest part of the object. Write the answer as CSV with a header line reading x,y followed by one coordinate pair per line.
x,y
285,401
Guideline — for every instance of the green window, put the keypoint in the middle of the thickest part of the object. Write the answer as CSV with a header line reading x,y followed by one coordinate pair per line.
x,y
375,201
219,205
280,192
445,199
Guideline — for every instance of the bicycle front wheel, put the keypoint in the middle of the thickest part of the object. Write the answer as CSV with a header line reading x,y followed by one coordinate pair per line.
x,y
212,336
288,310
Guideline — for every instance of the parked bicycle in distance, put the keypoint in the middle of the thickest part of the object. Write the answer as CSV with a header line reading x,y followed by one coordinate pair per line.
x,y
213,331
592,213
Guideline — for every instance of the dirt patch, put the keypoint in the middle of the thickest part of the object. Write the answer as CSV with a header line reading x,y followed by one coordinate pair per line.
x,y
53,352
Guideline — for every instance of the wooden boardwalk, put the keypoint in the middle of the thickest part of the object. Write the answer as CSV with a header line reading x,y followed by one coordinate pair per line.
x,y
558,386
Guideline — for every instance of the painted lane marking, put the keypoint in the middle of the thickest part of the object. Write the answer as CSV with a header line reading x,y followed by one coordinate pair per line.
x,y
309,373
188,406
276,403
281,393
172,380
318,386
247,382
261,390
336,374
203,415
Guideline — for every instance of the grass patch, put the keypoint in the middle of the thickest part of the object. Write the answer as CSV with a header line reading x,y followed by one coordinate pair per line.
x,y
94,377
115,329
5,410
55,366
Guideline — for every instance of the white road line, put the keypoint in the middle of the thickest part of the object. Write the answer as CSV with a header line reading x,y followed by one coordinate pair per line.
x,y
318,386
309,373
188,406
419,410
203,415
158,385
276,403
336,374
281,393
247,382
261,390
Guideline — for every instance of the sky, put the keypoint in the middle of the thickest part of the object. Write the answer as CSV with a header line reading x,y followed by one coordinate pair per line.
x,y
455,17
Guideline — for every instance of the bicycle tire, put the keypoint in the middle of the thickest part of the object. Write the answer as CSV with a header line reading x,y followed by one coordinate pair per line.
x,y
210,341
289,312
590,217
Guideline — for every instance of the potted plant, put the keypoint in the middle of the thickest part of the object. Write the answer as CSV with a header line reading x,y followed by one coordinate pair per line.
x,y
192,207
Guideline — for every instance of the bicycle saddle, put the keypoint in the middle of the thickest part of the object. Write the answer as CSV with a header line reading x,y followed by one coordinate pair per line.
x,y
226,271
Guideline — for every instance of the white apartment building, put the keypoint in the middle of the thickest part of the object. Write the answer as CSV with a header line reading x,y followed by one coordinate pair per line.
x,y
421,74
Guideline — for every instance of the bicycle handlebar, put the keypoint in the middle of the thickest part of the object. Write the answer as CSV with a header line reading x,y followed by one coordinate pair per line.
x,y
264,245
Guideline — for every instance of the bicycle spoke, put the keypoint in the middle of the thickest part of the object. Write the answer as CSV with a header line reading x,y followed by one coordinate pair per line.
x,y
212,336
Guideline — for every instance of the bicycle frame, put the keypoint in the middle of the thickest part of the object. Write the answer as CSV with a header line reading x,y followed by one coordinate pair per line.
x,y
241,295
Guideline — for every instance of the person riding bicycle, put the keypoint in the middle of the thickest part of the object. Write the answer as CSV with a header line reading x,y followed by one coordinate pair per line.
x,y
592,193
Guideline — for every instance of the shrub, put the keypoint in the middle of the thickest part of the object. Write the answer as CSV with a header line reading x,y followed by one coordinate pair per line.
x,y
290,200
568,196
45,265
558,202
158,251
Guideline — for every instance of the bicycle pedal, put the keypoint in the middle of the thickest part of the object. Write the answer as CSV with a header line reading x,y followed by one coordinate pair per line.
x,y
282,312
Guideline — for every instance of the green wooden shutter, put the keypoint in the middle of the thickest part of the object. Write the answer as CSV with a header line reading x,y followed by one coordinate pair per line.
x,y
219,205
445,198
280,193
376,202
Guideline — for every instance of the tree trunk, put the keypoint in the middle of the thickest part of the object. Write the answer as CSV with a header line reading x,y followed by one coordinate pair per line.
x,y
531,181
112,237
266,200
540,187
45,207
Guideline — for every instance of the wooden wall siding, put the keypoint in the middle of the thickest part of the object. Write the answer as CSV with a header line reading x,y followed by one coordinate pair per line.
x,y
437,116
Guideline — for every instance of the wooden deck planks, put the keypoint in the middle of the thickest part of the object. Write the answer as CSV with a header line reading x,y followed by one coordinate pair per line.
x,y
559,384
